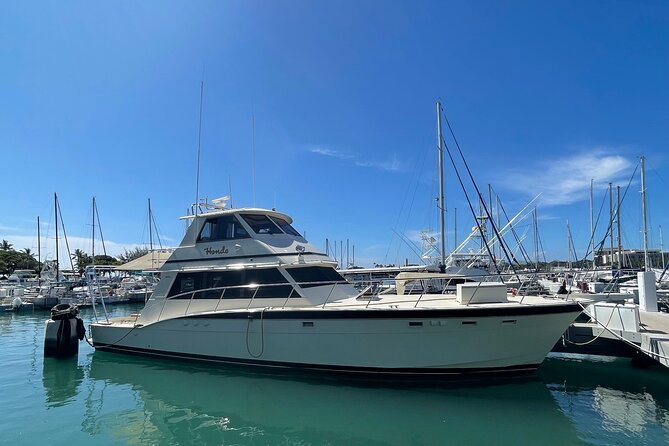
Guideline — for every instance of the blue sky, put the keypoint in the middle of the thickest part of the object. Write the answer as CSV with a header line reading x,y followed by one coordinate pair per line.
x,y
101,98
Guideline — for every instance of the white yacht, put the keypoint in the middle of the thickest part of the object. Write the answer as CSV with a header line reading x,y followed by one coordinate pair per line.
x,y
244,287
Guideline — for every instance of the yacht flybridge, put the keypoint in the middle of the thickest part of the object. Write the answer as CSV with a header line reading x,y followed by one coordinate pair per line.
x,y
244,287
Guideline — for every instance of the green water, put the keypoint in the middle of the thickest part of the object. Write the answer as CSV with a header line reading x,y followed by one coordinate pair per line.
x,y
105,398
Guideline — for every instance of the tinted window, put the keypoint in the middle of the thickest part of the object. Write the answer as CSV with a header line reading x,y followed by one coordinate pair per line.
x,y
261,224
285,226
281,291
225,227
185,283
212,284
315,276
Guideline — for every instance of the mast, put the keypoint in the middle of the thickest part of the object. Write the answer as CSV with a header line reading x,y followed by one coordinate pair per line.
x,y
151,234
150,228
568,248
611,221
643,211
39,251
441,187
536,242
499,225
592,226
455,228
620,242
55,207
348,259
492,221
662,249
93,247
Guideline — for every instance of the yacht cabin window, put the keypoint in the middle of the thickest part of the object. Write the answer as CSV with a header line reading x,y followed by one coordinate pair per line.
x,y
224,227
315,276
285,226
232,284
261,224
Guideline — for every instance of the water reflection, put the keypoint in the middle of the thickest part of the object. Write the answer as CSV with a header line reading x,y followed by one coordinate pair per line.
x,y
611,402
61,379
175,402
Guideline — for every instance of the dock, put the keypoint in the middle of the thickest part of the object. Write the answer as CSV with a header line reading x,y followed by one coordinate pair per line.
x,y
24,306
621,329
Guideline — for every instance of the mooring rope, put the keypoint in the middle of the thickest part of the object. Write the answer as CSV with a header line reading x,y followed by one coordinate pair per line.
x,y
262,334
630,343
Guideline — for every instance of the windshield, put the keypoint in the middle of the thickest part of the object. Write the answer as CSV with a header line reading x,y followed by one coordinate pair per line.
x,y
261,224
285,226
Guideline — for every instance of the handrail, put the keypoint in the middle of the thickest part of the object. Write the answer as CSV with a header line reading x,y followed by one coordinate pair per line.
x,y
330,294
224,288
253,297
220,298
192,296
288,298
323,283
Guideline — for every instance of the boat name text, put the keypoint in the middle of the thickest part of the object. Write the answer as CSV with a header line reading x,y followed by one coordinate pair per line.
x,y
213,251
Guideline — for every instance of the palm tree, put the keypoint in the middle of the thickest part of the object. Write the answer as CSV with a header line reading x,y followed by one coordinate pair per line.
x,y
81,259
28,252
5,245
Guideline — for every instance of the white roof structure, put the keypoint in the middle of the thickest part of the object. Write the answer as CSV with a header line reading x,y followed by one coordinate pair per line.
x,y
151,261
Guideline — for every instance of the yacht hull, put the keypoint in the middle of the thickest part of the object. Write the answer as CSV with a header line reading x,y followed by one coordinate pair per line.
x,y
373,341
44,302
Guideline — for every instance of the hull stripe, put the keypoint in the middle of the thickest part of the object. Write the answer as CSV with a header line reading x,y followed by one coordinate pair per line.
x,y
391,313
416,371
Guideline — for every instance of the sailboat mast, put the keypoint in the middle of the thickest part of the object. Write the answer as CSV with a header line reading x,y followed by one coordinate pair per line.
x,y
93,247
55,207
455,228
643,211
611,221
620,241
150,227
568,233
592,224
39,252
441,187
536,242
499,225
662,248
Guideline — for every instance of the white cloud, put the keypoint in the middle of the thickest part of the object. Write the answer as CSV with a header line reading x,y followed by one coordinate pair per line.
x,y
331,153
390,165
566,180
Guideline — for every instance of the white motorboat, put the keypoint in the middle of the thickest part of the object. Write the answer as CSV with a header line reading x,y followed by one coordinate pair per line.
x,y
244,287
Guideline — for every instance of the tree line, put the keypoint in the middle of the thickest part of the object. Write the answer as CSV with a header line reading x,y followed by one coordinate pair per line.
x,y
11,259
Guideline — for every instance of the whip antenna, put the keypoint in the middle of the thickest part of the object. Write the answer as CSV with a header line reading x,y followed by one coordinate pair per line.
x,y
199,140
